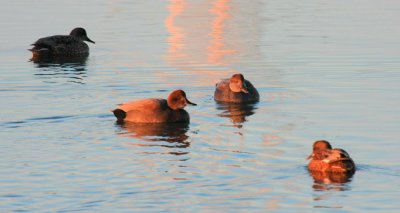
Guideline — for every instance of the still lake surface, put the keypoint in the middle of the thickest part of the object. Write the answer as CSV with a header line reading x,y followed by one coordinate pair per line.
x,y
324,70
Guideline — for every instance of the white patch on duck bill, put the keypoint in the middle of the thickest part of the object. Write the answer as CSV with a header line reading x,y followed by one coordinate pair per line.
x,y
326,160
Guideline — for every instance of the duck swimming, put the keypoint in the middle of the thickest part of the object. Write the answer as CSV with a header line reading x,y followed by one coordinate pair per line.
x,y
236,90
155,110
326,159
71,45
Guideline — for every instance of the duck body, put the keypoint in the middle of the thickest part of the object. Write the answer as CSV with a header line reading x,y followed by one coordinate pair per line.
x,y
72,45
155,110
152,111
60,45
245,92
326,159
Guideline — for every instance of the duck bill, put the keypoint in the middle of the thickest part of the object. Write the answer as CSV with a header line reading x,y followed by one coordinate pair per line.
x,y
89,40
244,88
190,103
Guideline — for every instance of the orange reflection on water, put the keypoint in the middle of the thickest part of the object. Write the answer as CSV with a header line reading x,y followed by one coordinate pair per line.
x,y
177,34
218,49
198,38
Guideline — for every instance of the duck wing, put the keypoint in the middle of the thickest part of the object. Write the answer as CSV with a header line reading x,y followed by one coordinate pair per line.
x,y
146,111
342,165
142,105
52,43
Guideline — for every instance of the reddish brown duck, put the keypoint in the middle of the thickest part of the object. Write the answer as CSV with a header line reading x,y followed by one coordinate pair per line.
x,y
326,159
155,110
236,90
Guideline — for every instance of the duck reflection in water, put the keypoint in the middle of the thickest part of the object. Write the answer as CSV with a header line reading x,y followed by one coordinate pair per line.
x,y
174,134
237,113
331,181
72,69
326,185
47,60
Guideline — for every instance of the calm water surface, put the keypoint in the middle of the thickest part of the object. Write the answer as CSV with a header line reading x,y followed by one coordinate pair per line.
x,y
324,69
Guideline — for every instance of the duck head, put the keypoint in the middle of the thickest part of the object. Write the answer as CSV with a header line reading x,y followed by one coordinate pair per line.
x,y
319,146
238,84
81,34
177,100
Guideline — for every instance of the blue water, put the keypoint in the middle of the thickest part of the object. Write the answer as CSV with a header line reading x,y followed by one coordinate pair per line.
x,y
324,70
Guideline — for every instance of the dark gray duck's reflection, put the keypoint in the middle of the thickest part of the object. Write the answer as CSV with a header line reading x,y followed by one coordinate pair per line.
x,y
47,60
73,69
175,134
236,112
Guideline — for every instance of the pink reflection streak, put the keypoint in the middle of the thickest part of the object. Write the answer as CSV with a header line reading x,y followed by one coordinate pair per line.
x,y
177,34
196,40
216,49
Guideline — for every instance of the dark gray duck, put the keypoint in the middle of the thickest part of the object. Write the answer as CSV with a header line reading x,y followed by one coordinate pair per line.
x,y
71,45
236,90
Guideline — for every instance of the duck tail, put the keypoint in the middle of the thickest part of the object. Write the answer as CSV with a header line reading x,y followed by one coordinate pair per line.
x,y
119,114
343,165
